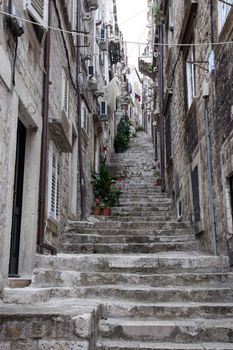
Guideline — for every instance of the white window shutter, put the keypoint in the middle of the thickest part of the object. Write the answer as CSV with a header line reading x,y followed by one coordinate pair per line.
x,y
73,13
65,93
54,183
38,9
223,11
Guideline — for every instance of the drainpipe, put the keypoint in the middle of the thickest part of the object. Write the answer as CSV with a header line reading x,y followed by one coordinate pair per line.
x,y
161,102
80,158
209,169
44,147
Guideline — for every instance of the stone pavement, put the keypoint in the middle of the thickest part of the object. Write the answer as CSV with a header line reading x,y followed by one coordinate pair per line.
x,y
135,280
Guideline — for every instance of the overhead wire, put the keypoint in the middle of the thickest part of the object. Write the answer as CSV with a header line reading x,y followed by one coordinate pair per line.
x,y
73,32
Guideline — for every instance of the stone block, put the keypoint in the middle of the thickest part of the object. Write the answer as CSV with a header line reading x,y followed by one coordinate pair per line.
x,y
83,325
62,345
5,68
5,345
23,345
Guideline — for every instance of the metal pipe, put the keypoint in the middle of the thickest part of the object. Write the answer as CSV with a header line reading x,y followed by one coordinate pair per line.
x,y
44,147
79,123
161,103
210,178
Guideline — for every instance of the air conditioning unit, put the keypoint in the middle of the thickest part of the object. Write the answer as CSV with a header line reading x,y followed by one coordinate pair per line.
x,y
91,71
103,108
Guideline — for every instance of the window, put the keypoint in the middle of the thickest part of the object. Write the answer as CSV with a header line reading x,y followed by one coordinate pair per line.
x,y
196,196
223,11
65,93
38,9
231,195
72,13
54,183
190,76
85,118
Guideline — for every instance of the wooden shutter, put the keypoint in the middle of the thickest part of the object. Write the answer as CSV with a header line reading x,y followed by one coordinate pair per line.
x,y
54,183
72,13
223,11
65,93
38,9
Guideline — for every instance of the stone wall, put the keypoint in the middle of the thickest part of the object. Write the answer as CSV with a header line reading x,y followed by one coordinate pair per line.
x,y
188,125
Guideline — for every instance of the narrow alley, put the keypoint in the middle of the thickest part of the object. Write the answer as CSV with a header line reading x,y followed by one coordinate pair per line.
x,y
116,175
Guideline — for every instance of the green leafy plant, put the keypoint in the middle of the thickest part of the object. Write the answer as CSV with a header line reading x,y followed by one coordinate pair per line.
x,y
122,138
106,191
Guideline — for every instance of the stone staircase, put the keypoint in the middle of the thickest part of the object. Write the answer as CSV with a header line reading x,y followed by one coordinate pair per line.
x,y
135,280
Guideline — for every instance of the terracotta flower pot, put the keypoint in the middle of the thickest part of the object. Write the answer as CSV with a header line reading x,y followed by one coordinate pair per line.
x,y
107,211
96,211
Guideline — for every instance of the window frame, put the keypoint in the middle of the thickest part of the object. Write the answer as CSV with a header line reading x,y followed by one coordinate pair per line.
x,y
223,12
190,79
65,93
28,6
54,199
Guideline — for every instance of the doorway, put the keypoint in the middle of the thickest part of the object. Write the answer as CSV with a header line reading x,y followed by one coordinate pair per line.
x,y
17,200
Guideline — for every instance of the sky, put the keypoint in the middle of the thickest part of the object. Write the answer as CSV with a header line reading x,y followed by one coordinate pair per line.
x,y
132,20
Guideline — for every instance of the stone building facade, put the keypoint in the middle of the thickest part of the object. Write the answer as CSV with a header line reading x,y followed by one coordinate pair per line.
x,y
196,113
55,115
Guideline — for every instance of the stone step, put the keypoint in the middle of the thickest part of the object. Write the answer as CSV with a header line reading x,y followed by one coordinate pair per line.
x,y
31,295
111,239
139,213
140,233
66,324
132,345
169,262
168,310
128,248
140,218
178,331
58,278
151,294
109,224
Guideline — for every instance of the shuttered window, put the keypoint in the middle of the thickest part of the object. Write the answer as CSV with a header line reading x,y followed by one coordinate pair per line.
x,y
190,76
72,13
38,9
223,11
54,183
65,93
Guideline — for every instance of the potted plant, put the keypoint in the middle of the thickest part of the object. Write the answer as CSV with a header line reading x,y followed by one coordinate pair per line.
x,y
122,137
97,206
111,199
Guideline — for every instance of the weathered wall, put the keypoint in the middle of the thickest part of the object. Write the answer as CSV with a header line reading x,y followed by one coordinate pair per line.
x,y
188,128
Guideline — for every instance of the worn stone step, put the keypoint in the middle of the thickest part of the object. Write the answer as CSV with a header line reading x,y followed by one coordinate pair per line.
x,y
105,239
140,345
109,224
139,218
31,295
177,331
129,232
169,262
66,324
128,248
168,310
154,294
52,277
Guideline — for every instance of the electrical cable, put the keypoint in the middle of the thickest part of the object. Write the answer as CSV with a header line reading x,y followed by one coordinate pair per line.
x,y
73,32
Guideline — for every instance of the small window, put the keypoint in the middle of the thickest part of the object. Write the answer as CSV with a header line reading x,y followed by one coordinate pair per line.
x,y
190,76
85,119
72,13
231,195
65,93
223,11
196,195
54,183
38,9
